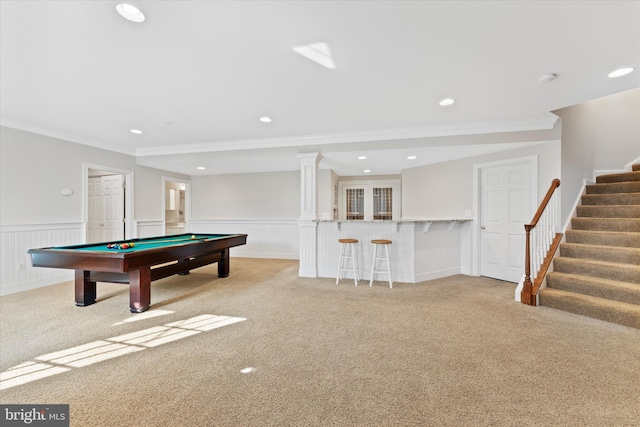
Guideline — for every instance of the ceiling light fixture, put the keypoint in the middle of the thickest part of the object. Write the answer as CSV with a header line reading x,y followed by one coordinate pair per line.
x,y
620,72
547,78
130,12
411,157
318,53
265,119
201,168
362,157
447,101
367,170
136,131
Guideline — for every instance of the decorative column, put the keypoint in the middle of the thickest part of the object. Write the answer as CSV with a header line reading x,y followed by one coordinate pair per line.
x,y
308,223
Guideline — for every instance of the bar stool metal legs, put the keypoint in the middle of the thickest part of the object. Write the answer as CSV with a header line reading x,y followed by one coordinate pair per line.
x,y
375,269
348,252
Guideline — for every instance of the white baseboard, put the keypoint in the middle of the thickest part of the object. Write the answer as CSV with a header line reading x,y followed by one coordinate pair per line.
x,y
264,255
432,275
307,273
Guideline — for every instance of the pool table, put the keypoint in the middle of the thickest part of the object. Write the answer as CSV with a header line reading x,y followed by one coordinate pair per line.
x,y
148,259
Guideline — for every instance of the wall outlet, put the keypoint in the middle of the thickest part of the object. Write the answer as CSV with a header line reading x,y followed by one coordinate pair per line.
x,y
21,266
467,213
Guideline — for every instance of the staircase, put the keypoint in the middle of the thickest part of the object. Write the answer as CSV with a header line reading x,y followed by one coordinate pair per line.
x,y
598,271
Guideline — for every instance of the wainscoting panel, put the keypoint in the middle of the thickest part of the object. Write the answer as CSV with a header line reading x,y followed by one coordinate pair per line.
x,y
400,251
437,250
421,250
277,239
17,274
149,229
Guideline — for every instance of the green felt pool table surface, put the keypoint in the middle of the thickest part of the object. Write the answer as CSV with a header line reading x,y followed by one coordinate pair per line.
x,y
146,243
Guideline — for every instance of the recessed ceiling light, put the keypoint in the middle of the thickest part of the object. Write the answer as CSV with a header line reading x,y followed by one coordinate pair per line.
x,y
362,157
265,119
447,101
367,170
130,12
136,131
411,157
317,52
620,72
201,168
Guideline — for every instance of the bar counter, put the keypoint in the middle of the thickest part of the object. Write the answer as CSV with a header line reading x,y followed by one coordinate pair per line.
x,y
422,249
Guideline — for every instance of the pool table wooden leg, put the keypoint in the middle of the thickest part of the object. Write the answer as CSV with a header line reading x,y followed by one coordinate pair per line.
x,y
140,290
223,264
85,289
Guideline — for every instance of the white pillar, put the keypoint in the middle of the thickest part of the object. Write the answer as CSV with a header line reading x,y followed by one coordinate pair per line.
x,y
308,225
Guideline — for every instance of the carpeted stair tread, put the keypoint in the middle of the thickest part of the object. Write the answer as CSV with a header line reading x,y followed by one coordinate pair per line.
x,y
603,269
595,287
619,177
605,238
597,308
606,224
611,199
597,272
609,211
601,253
614,187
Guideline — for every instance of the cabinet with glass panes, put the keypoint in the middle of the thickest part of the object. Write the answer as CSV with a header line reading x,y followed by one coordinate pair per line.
x,y
369,200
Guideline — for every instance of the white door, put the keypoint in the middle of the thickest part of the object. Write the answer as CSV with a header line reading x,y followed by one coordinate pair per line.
x,y
113,208
95,211
106,209
505,206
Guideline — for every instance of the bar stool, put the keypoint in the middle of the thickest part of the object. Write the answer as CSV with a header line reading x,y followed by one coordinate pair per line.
x,y
374,269
345,256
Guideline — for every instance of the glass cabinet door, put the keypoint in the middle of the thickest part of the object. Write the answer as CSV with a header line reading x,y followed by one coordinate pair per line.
x,y
382,203
354,199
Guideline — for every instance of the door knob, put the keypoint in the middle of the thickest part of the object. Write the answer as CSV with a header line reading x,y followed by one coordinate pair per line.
x,y
483,227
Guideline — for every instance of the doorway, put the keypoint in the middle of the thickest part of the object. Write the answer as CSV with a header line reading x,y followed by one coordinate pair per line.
x,y
108,204
176,205
506,194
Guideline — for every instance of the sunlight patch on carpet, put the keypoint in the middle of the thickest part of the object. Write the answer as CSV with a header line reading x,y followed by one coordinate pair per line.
x,y
109,348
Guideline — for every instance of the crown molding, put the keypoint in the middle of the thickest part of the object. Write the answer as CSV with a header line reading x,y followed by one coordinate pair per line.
x,y
530,124
67,136
539,123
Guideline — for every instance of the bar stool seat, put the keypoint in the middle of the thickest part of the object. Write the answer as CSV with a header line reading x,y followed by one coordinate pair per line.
x,y
376,257
348,252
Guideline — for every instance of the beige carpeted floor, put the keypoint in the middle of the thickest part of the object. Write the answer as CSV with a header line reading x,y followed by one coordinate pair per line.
x,y
451,352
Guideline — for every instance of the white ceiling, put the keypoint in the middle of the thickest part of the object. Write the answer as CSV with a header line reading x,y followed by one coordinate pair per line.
x,y
197,76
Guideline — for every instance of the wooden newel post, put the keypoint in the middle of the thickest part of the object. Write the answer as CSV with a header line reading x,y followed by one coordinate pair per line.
x,y
527,287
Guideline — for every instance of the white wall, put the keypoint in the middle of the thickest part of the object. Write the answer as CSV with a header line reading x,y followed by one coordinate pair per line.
x,y
34,169
270,195
602,134
445,190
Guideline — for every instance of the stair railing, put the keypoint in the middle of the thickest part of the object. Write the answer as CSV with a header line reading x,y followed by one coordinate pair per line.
x,y
542,241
